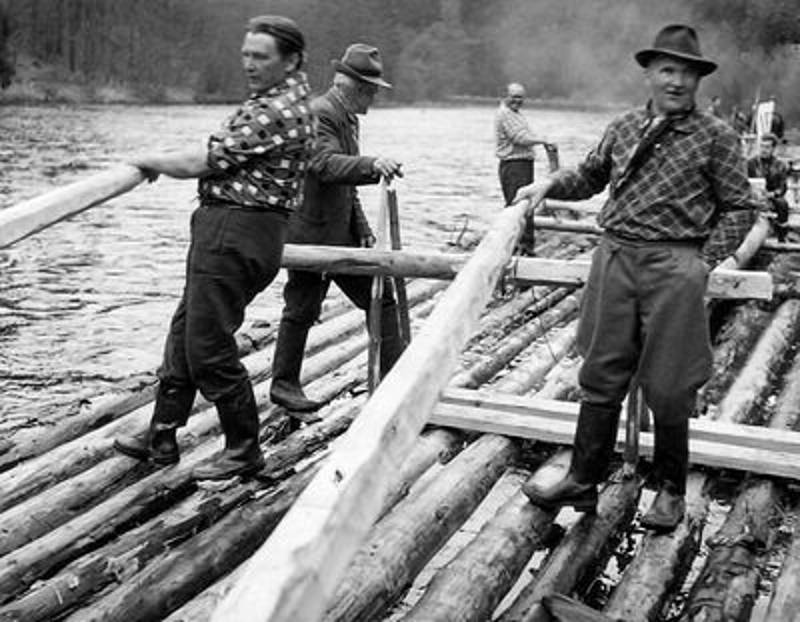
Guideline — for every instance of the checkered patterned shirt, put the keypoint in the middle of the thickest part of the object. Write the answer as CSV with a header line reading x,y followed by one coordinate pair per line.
x,y
260,154
693,185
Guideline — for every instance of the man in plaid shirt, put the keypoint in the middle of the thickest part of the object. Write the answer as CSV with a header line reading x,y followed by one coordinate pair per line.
x,y
250,180
679,202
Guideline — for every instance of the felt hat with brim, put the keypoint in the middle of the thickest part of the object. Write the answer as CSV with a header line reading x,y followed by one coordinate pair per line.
x,y
678,41
362,62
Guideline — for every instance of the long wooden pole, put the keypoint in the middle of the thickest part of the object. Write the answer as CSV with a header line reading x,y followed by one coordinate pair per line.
x,y
295,573
376,296
399,282
26,218
724,282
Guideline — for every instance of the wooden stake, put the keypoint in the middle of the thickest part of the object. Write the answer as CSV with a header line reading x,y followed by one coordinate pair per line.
x,y
399,282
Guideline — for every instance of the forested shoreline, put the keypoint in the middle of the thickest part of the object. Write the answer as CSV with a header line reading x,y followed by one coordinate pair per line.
x,y
160,51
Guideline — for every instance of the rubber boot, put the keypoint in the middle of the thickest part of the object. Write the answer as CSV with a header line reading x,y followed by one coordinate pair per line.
x,y
287,361
671,467
171,411
238,415
591,455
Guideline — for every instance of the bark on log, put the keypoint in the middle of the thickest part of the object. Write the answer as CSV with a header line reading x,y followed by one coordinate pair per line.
x,y
787,408
736,340
586,544
26,218
537,361
662,562
492,362
785,600
762,365
475,581
86,530
193,565
726,588
402,543
561,382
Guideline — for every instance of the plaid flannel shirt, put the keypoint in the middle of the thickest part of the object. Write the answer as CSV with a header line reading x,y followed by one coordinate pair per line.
x,y
260,154
692,186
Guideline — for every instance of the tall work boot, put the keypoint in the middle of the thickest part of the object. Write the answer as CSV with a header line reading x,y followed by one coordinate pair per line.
x,y
391,340
287,361
671,465
591,455
172,408
238,415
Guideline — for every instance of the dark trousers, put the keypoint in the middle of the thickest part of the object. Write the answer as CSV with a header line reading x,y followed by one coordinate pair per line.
x,y
303,295
234,254
513,175
781,208
643,309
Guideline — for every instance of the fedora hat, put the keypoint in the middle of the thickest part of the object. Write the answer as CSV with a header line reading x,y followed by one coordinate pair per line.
x,y
362,62
678,41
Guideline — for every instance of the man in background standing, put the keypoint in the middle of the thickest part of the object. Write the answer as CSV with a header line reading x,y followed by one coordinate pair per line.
x,y
775,173
331,214
515,142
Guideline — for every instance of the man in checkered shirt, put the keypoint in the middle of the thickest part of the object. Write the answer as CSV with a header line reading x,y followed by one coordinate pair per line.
x,y
251,177
679,202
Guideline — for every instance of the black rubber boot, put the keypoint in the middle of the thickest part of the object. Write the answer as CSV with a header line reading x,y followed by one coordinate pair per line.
x,y
671,467
238,415
287,362
591,455
171,411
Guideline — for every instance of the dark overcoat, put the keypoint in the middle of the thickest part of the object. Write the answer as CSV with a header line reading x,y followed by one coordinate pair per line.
x,y
331,211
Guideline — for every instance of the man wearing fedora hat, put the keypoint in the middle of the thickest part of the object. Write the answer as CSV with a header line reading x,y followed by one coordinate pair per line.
x,y
331,214
679,202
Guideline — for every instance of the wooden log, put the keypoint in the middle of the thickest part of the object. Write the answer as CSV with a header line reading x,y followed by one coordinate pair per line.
x,y
761,367
471,585
309,551
83,531
724,282
78,455
535,363
732,446
661,563
735,342
492,362
726,587
784,601
193,565
403,542
437,445
561,382
19,221
787,407
587,544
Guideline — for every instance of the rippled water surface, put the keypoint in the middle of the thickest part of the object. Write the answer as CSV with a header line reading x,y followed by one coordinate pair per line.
x,y
86,303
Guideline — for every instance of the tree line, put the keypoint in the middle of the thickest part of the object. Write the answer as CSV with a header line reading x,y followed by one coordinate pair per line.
x,y
561,49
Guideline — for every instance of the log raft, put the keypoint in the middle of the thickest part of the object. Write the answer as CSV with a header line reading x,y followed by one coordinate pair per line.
x,y
89,534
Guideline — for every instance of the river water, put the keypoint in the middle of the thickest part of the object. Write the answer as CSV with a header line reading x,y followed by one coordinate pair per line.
x,y
85,304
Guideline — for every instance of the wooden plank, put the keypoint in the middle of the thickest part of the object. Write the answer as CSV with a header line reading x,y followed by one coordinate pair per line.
x,y
712,453
26,218
723,282
293,576
492,402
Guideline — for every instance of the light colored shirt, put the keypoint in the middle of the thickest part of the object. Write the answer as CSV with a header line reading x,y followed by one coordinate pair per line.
x,y
513,135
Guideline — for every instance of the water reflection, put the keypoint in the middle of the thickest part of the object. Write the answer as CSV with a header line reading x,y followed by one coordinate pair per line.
x,y
86,303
